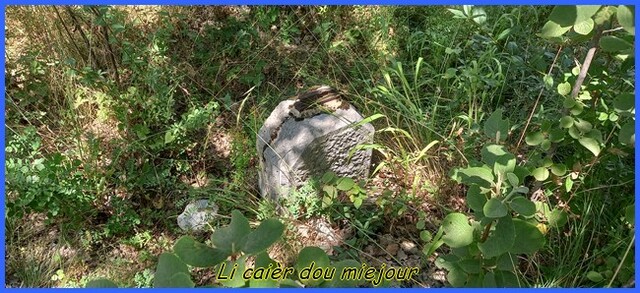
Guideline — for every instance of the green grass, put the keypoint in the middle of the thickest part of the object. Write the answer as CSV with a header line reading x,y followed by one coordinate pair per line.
x,y
139,110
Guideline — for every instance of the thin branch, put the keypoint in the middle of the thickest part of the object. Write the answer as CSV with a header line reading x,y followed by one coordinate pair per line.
x,y
66,29
105,33
612,30
78,27
535,105
585,66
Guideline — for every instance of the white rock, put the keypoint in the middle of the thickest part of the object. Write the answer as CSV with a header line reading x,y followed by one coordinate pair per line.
x,y
409,246
291,151
196,215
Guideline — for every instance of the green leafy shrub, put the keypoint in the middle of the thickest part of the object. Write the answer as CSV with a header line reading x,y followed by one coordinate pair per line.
x,y
232,246
484,248
51,183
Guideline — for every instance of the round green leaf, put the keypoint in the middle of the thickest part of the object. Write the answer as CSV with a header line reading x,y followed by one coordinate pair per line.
x,y
475,281
506,279
523,206
604,15
425,236
595,134
594,276
630,214
603,116
521,172
458,232
471,266
457,277
574,133
309,259
328,177
584,12
545,145
559,169
264,236
507,262
499,158
625,15
540,173
568,15
529,239
566,122
489,280
534,138
168,265
577,108
568,102
584,27
235,280
557,218
263,261
330,190
495,127
563,15
475,200
494,208
180,280
556,135
624,102
564,88
614,44
345,184
575,70
583,125
476,175
198,254
553,30
591,144
231,238
500,240
513,179
447,261
627,135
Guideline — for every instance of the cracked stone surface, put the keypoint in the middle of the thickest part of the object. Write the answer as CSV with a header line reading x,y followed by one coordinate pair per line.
x,y
291,150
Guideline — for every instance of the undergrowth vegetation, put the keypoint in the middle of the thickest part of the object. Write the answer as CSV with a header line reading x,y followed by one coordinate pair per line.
x,y
504,144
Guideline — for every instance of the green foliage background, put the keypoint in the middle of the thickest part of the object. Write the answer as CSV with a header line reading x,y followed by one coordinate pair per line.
x,y
117,117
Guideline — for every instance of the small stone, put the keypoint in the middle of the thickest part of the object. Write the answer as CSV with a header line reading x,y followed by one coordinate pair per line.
x,y
393,248
409,247
439,275
196,215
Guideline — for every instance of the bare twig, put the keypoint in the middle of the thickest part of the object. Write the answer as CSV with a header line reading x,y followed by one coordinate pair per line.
x,y
78,27
612,30
585,65
535,105
105,33
66,29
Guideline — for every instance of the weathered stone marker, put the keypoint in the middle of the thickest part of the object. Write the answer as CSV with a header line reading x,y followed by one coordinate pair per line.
x,y
309,136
